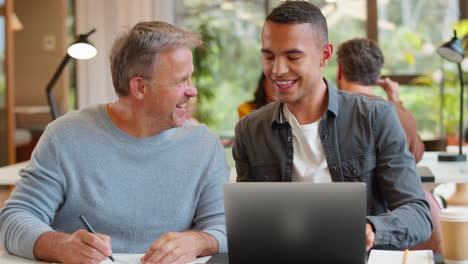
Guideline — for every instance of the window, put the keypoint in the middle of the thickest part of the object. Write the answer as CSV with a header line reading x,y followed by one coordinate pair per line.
x,y
226,72
408,32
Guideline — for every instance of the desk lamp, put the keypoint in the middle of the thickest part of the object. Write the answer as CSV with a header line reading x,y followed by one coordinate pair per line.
x,y
454,52
81,49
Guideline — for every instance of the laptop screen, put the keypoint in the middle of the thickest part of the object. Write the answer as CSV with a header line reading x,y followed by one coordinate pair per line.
x,y
296,222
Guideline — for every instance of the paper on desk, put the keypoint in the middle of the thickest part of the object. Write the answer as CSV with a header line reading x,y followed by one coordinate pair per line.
x,y
392,257
135,259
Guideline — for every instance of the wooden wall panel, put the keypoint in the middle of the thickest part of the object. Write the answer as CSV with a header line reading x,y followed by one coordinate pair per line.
x,y
9,77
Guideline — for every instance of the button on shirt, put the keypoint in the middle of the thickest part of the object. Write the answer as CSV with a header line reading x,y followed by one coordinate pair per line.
x,y
309,163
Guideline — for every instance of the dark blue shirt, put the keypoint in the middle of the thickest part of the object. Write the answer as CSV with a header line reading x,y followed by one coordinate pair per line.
x,y
363,141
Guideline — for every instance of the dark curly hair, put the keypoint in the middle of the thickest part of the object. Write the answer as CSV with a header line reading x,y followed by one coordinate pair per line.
x,y
299,12
361,60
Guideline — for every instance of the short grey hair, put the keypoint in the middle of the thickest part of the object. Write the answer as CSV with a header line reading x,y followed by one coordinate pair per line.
x,y
135,53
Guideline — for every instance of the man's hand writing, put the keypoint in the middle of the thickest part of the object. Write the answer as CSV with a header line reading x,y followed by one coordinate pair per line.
x,y
79,247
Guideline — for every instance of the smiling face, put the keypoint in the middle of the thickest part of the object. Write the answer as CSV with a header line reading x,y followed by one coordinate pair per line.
x,y
171,88
293,60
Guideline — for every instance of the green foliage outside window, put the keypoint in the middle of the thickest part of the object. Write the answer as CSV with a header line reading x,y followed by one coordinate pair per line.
x,y
451,95
409,34
227,68
226,71
451,99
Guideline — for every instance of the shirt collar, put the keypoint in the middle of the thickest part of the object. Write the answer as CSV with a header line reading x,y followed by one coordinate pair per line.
x,y
333,100
333,105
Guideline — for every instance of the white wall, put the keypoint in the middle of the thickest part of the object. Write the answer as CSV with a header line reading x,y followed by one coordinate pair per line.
x,y
109,17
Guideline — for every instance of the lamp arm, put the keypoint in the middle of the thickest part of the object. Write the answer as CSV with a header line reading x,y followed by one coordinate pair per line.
x,y
460,125
51,84
90,32
84,37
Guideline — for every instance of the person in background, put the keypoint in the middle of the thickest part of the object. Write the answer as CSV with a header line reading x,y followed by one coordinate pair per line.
x,y
316,133
263,96
359,63
146,180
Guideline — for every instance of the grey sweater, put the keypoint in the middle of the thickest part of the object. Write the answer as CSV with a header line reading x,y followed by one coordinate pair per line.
x,y
132,189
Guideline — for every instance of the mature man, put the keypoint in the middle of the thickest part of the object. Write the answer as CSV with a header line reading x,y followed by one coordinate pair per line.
x,y
359,63
137,171
316,133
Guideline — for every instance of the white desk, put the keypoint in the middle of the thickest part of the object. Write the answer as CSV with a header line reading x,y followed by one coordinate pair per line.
x,y
120,259
449,172
445,171
10,174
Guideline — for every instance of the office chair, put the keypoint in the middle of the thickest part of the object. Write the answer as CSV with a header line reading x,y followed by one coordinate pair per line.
x,y
434,242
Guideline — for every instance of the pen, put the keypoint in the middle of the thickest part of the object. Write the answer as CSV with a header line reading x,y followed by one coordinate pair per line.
x,y
91,230
405,256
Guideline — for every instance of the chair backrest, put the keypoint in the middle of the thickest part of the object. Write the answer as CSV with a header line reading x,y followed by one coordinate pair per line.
x,y
434,242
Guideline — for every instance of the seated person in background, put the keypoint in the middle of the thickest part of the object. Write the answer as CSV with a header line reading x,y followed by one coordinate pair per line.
x,y
316,133
359,64
263,96
141,174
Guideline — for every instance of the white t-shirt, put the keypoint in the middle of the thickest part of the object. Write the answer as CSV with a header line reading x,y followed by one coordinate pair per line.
x,y
309,163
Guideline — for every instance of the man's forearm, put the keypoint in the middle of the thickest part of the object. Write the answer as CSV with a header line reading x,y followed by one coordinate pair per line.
x,y
49,246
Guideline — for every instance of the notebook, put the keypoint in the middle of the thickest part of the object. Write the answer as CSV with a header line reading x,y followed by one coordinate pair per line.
x,y
391,257
294,223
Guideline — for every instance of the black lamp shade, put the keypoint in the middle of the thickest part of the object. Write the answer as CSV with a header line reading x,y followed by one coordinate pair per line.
x,y
82,49
453,50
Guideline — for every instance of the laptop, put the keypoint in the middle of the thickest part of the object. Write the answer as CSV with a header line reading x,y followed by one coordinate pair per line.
x,y
294,223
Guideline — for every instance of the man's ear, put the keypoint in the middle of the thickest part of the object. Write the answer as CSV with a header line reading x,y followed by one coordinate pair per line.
x,y
136,87
326,54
